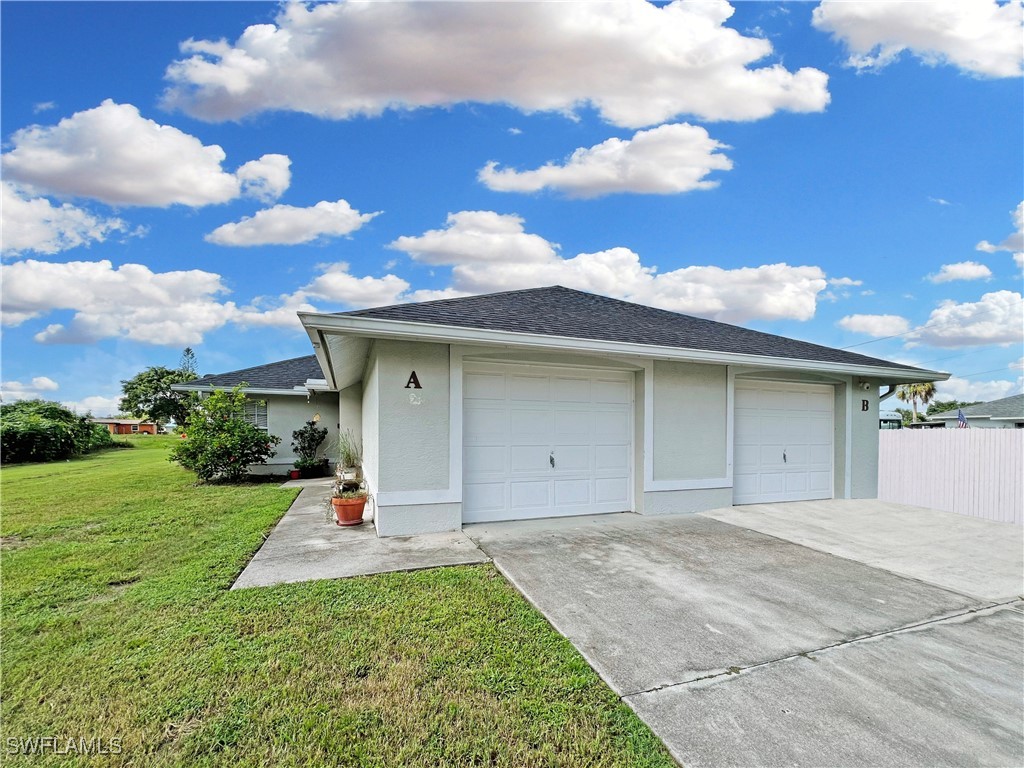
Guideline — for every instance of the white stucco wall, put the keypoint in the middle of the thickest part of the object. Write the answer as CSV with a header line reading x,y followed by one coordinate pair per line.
x,y
285,414
413,440
864,444
690,421
370,421
686,502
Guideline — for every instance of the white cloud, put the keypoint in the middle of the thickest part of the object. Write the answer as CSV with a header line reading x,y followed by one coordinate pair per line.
x,y
39,387
964,270
981,37
112,154
492,252
483,236
966,389
665,160
875,325
1014,242
95,405
36,224
43,106
939,201
132,302
997,318
636,63
844,282
288,225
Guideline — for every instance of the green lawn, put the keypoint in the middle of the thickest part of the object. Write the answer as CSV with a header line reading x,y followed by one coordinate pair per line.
x,y
117,623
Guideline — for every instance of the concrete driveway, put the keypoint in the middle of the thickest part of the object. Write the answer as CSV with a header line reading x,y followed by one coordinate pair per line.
x,y
744,648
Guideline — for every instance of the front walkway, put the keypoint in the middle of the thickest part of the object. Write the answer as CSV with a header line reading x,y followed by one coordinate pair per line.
x,y
307,544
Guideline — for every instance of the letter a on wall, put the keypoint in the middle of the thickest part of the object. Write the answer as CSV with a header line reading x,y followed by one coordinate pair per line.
x,y
413,382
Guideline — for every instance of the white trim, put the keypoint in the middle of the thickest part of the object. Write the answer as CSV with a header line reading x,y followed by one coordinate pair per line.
x,y
687,485
411,498
302,391
455,423
848,444
398,329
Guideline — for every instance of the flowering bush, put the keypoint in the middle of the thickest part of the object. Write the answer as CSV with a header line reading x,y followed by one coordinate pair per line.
x,y
220,443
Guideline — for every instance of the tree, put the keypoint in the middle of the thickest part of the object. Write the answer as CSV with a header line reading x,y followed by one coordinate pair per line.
x,y
941,406
148,394
911,393
39,430
187,364
219,442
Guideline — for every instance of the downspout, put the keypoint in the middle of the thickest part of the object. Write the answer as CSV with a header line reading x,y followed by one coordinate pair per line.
x,y
884,395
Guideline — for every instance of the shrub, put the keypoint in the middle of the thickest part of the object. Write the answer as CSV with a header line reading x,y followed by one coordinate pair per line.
x,y
305,442
218,442
41,430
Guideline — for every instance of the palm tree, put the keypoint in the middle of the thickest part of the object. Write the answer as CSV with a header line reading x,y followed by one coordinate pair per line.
x,y
911,393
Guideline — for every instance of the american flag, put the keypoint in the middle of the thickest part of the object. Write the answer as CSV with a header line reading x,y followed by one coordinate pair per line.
x,y
961,420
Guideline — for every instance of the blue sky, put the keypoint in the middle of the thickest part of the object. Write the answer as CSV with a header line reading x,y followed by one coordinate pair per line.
x,y
194,173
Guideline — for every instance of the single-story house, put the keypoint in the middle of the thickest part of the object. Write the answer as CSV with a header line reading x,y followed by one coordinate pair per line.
x,y
128,426
281,397
1006,413
551,402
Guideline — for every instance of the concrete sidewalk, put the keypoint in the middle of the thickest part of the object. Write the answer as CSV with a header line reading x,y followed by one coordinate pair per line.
x,y
307,544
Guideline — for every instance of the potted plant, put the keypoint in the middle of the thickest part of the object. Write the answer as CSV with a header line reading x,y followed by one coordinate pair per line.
x,y
349,501
305,442
350,457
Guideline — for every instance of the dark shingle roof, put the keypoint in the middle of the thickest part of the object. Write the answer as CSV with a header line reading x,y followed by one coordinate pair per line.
x,y
286,374
1006,408
558,311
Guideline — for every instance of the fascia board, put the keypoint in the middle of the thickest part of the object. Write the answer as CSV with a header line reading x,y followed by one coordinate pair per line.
x,y
316,323
302,391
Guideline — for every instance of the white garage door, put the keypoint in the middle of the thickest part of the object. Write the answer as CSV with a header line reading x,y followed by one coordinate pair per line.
x,y
545,442
783,442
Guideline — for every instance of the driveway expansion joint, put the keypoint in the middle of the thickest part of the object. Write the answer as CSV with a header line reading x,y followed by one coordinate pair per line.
x,y
1015,604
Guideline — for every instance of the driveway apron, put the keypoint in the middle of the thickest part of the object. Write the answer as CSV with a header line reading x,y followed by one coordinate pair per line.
x,y
740,648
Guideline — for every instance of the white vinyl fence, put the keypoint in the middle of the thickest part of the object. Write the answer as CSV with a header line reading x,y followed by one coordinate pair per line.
x,y
975,472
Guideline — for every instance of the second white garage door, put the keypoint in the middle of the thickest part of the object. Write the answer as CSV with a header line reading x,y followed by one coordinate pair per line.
x,y
783,442
545,442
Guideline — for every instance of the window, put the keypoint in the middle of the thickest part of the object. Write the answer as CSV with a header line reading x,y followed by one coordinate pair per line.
x,y
135,427
256,414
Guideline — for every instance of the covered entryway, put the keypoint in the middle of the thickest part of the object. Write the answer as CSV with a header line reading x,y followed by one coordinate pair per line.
x,y
545,442
783,442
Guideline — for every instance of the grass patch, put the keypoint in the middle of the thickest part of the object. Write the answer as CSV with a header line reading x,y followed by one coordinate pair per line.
x,y
117,623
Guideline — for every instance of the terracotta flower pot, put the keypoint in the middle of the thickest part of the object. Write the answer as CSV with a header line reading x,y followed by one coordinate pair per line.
x,y
349,511
294,474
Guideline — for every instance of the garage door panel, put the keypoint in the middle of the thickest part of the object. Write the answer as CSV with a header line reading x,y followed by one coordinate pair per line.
x,y
611,490
584,420
572,492
486,458
783,448
526,494
528,458
570,390
486,425
572,424
572,458
484,386
530,425
611,426
612,392
485,496
611,457
530,388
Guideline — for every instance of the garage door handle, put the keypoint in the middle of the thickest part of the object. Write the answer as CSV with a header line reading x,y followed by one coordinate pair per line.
x,y
551,458
783,457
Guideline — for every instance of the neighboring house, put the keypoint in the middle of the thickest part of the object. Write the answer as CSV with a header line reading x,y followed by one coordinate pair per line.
x,y
1007,413
281,398
550,402
128,426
